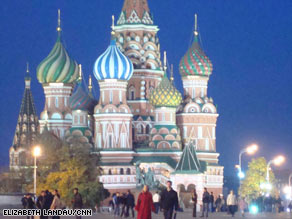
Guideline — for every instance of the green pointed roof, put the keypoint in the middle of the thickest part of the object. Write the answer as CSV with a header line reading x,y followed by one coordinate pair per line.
x,y
27,124
189,162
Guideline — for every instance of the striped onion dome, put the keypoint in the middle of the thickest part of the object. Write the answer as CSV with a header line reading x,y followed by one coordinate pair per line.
x,y
57,67
81,100
113,64
165,95
195,61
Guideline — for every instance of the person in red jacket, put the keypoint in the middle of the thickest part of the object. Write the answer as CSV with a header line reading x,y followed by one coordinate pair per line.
x,y
145,204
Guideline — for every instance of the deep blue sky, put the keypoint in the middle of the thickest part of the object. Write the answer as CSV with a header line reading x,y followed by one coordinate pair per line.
x,y
249,43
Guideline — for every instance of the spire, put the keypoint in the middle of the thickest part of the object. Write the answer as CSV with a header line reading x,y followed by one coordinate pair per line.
x,y
59,22
196,26
27,77
79,73
171,73
27,119
113,26
90,84
164,62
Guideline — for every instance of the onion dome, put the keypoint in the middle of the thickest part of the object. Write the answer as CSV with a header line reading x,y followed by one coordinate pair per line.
x,y
80,99
165,95
195,61
57,67
113,64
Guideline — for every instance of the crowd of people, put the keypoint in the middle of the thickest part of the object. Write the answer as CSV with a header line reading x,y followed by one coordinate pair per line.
x,y
47,200
167,202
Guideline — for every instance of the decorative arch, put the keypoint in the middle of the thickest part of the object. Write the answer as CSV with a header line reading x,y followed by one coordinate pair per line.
x,y
140,128
163,145
192,108
209,108
56,116
163,131
68,116
157,138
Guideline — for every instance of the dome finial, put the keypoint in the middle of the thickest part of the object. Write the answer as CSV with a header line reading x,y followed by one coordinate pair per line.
x,y
90,84
27,67
171,72
164,61
80,72
113,25
59,21
196,26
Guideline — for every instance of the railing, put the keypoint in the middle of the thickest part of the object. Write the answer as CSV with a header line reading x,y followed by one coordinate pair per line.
x,y
113,179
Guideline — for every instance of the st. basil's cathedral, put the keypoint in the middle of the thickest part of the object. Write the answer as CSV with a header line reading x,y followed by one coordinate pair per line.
x,y
140,120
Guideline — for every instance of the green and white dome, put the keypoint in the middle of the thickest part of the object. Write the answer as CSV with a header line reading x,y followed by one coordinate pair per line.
x,y
57,67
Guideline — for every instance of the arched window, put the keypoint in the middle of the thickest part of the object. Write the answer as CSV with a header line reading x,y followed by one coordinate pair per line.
x,y
109,172
148,129
133,132
128,171
140,129
121,171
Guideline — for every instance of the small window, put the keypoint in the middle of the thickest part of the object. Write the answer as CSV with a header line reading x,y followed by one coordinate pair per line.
x,y
121,171
57,102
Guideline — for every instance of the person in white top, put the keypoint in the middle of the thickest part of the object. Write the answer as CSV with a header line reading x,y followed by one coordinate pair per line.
x,y
231,202
156,201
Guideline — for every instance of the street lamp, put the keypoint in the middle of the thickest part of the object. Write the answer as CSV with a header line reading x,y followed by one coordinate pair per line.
x,y
250,150
36,153
277,161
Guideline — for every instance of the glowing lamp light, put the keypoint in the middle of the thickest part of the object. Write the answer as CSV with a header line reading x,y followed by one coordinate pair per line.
x,y
266,186
254,209
279,160
36,151
241,175
252,149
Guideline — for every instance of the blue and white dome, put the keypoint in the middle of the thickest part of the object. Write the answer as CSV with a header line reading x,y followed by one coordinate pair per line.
x,y
113,64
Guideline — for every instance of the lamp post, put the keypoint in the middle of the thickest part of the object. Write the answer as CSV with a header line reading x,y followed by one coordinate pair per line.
x,y
36,153
250,150
277,161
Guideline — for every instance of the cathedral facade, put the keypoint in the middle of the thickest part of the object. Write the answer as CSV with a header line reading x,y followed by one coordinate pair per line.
x,y
140,119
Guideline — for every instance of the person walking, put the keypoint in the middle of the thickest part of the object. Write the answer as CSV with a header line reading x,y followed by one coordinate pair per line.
x,y
169,201
206,199
56,204
218,203
117,201
242,206
77,201
195,201
42,203
211,203
29,204
231,202
145,204
130,203
156,200
123,203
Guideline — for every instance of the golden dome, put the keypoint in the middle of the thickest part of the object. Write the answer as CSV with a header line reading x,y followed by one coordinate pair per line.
x,y
165,95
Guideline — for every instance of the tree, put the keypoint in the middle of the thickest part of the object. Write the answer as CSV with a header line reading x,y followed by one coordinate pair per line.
x,y
69,165
255,175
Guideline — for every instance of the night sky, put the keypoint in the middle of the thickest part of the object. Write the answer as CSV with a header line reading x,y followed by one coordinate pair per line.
x,y
249,43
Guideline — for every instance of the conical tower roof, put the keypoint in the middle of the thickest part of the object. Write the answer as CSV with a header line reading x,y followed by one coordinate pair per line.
x,y
189,162
135,12
27,124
